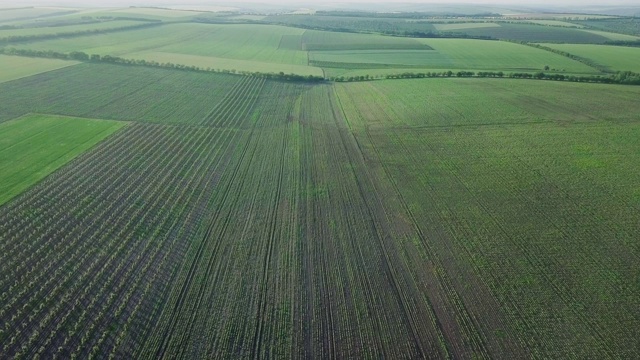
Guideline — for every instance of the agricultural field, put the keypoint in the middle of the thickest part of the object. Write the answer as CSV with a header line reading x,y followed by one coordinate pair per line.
x,y
560,16
145,13
152,211
34,146
35,31
247,184
616,58
452,54
14,67
274,49
554,23
26,13
118,43
223,63
330,41
155,12
630,26
536,33
464,26
117,93
253,47
433,103
350,24
514,207
614,36
241,42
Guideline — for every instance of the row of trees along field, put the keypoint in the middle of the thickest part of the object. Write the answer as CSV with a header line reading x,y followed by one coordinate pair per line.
x,y
84,57
620,77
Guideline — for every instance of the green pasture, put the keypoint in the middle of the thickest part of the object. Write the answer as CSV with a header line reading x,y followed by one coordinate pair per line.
x,y
464,26
241,47
475,102
553,23
313,40
378,58
221,63
240,42
450,54
616,58
614,36
128,93
34,146
536,33
35,31
17,13
15,67
122,42
527,194
139,13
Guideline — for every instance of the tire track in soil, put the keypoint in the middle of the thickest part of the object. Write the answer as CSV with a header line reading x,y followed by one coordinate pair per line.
x,y
344,139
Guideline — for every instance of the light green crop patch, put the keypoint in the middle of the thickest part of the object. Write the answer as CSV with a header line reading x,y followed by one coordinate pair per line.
x,y
16,67
34,146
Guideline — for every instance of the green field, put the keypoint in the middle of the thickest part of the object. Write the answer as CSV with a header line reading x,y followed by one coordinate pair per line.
x,y
432,103
106,25
159,211
241,42
464,26
537,33
14,67
449,205
453,54
155,12
34,146
553,23
118,93
517,205
23,13
614,36
223,63
629,25
561,16
331,41
147,13
616,58
255,47
119,43
274,49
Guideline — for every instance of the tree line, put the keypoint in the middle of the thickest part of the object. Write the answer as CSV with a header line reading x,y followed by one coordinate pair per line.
x,y
621,77
95,58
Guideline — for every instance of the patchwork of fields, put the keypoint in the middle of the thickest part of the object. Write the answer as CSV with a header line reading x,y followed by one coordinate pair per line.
x,y
616,58
274,49
229,47
100,26
446,54
159,213
241,226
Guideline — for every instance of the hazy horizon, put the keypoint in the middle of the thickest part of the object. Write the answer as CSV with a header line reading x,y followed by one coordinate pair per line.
x,y
119,3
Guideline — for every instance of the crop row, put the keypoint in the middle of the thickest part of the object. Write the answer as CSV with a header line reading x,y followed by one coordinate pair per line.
x,y
299,259
237,105
236,230
118,92
70,283
516,242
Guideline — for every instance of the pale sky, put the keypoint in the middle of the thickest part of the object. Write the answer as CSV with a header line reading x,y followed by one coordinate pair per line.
x,y
292,2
